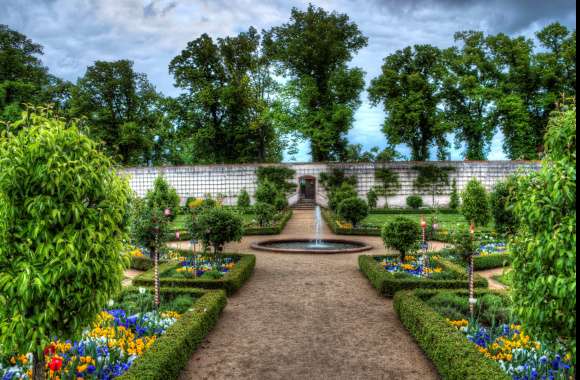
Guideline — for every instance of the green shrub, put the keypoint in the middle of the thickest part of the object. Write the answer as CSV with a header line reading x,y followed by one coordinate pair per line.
x,y
455,357
280,176
402,234
454,201
217,226
339,194
280,203
544,248
63,219
163,197
502,199
280,223
265,213
336,178
372,199
244,199
414,201
353,210
266,192
475,203
496,260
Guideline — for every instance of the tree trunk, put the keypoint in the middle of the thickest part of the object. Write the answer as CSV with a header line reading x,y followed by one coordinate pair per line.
x,y
471,290
38,372
156,279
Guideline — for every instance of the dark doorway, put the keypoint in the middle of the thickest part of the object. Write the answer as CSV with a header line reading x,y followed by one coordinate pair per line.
x,y
308,188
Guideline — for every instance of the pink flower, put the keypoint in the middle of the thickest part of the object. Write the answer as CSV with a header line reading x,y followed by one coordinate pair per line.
x,y
167,212
177,235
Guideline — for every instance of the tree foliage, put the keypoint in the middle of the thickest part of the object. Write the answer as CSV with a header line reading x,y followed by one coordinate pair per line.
x,y
544,247
389,184
215,227
62,232
163,197
475,203
402,234
337,195
314,49
353,210
454,200
243,201
265,213
372,198
502,200
432,179
280,176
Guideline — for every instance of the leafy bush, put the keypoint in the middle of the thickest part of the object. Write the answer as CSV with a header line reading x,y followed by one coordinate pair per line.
x,y
544,248
402,234
502,200
244,199
280,176
353,210
265,213
267,192
454,201
414,201
217,226
339,194
372,198
63,219
163,196
281,202
335,178
475,203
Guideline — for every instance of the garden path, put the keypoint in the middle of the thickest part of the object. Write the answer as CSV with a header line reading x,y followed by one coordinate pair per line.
x,y
308,316
489,275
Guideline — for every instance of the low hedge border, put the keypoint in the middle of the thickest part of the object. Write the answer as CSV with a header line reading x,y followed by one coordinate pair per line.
x,y
496,260
168,356
453,355
330,220
421,211
230,282
273,230
388,285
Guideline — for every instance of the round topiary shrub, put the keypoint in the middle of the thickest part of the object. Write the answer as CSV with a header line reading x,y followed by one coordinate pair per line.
x,y
264,213
402,234
215,227
353,210
415,202
475,204
244,199
63,218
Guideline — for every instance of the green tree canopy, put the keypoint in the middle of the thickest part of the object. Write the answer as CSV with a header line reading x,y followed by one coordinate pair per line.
x,y
313,49
63,213
410,89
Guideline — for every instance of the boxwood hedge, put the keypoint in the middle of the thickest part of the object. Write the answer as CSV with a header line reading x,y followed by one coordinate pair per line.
x,y
273,230
495,260
455,357
230,282
388,283
172,350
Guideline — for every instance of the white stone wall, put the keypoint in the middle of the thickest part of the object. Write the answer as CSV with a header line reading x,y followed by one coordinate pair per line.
x,y
229,180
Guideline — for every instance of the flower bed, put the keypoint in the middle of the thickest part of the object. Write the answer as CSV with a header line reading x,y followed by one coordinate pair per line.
x,y
476,350
277,228
414,266
388,283
230,281
127,335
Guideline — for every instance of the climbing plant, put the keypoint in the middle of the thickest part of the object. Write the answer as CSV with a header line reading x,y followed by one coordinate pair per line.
x,y
388,181
432,179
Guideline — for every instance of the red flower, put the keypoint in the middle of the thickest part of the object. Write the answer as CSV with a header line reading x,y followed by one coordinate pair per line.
x,y
55,364
50,350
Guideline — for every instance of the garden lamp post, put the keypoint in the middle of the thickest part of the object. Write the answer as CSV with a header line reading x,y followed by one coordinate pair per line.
x,y
472,300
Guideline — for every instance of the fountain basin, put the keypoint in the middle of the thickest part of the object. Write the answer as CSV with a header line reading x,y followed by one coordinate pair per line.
x,y
311,246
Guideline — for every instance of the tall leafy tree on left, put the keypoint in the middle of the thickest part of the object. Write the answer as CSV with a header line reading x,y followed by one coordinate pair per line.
x,y
123,111
23,78
63,218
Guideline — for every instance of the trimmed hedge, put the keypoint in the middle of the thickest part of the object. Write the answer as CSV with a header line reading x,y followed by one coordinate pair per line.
x,y
230,282
387,284
273,230
168,356
143,263
455,357
496,260
410,211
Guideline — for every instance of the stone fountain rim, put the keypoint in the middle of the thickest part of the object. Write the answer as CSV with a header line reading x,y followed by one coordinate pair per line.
x,y
259,246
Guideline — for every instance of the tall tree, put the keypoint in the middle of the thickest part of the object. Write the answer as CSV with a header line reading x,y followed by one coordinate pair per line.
x,y
226,108
122,109
468,93
23,78
410,89
313,49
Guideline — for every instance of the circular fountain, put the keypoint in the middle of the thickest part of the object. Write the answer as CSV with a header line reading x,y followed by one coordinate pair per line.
x,y
316,245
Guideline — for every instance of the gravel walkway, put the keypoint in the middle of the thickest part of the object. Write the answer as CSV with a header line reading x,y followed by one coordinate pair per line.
x,y
308,317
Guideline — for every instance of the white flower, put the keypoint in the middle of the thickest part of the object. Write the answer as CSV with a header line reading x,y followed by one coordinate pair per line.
x,y
110,303
142,290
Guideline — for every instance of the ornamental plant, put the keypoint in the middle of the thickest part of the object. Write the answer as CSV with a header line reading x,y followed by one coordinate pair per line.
x,y
63,225
215,227
339,194
454,200
402,234
264,213
163,196
388,181
502,200
544,247
475,204
244,200
372,198
353,210
266,192
415,202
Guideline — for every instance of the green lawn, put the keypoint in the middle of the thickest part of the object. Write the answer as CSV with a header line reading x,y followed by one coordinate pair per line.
x,y
180,222
445,221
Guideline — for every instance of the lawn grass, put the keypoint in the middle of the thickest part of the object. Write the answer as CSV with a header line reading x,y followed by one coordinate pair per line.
x,y
447,221
181,221
504,279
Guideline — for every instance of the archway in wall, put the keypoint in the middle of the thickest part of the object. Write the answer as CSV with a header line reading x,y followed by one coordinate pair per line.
x,y
307,187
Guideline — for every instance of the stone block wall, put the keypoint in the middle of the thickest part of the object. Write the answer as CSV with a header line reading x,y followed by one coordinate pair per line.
x,y
227,181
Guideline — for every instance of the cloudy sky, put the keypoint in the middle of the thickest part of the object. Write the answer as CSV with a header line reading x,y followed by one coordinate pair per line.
x,y
75,33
